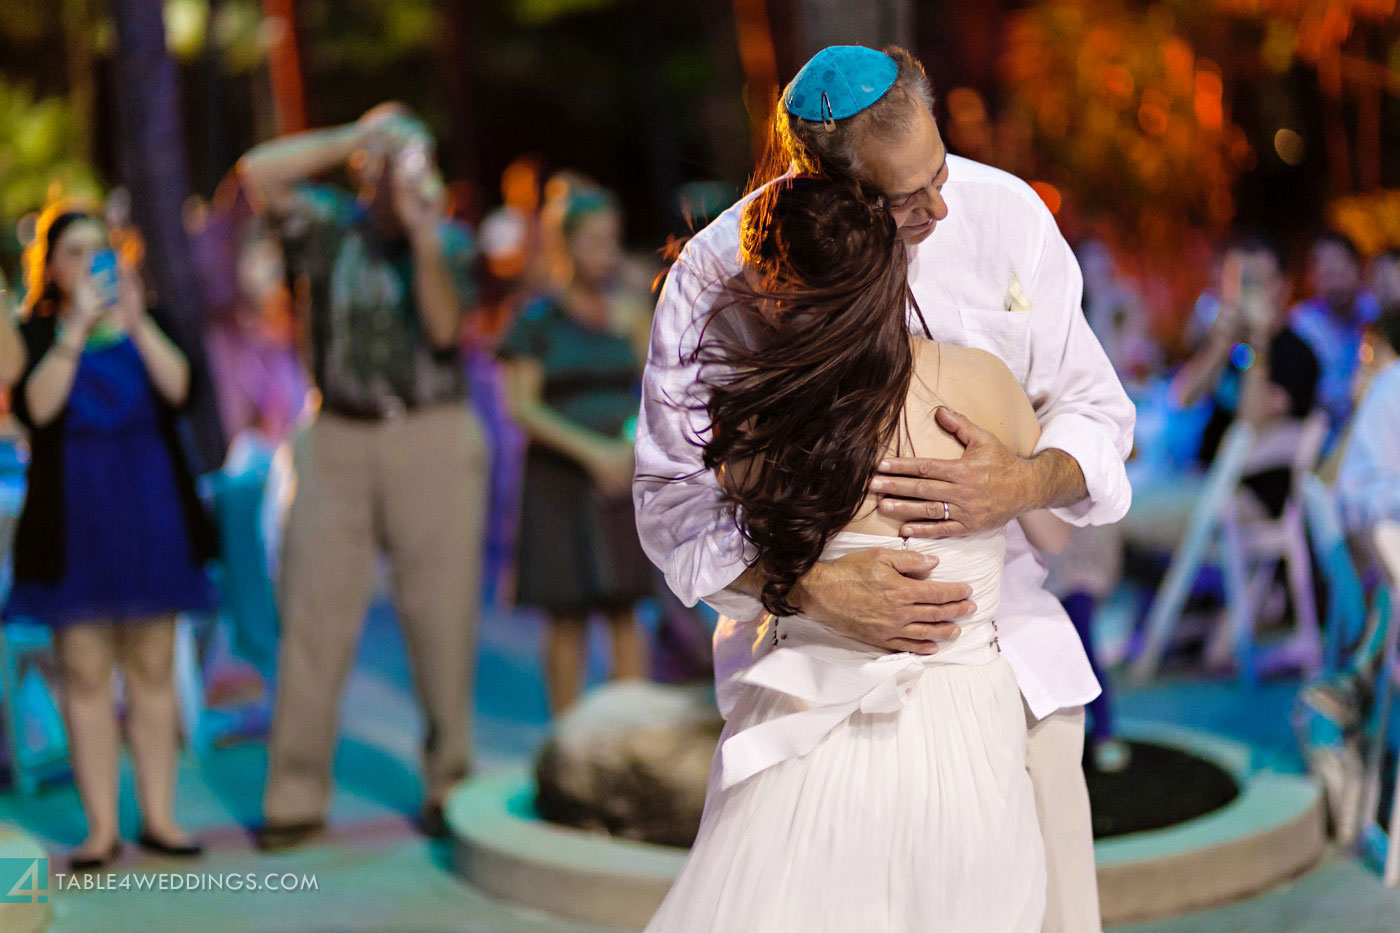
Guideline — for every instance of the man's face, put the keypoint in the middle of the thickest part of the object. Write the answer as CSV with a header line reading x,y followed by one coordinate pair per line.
x,y
910,172
1383,279
1253,283
595,246
1335,275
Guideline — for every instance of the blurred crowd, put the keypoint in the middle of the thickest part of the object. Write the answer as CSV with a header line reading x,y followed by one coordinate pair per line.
x,y
460,401
1292,344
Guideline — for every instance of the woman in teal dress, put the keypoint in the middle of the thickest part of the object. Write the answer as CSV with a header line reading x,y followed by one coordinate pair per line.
x,y
111,541
573,374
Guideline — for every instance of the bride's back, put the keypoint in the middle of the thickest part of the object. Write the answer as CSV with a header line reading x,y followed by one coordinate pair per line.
x,y
971,382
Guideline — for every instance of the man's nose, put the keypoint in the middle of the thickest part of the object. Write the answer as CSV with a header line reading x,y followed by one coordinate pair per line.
x,y
937,206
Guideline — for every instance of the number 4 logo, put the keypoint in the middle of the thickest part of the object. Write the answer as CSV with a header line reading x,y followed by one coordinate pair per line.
x,y
24,880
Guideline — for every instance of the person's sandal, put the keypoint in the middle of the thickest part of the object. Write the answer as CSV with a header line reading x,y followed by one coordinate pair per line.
x,y
432,822
152,843
79,863
272,836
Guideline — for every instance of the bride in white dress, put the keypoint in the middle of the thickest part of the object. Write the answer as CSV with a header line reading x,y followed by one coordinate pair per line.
x,y
855,789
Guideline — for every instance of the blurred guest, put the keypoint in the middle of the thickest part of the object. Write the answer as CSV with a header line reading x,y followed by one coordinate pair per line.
x,y
1331,321
509,242
11,346
1253,364
394,455
1383,277
1117,314
510,235
1368,482
259,379
573,383
1081,577
1333,711
112,540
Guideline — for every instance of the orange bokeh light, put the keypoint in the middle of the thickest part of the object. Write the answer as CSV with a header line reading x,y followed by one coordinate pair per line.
x,y
1049,194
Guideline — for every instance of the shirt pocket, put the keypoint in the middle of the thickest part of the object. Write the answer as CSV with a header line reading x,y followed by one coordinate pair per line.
x,y
1006,334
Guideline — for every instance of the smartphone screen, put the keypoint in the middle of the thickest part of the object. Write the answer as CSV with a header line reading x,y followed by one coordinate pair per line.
x,y
105,274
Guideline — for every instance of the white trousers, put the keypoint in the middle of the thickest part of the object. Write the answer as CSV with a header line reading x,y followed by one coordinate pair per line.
x,y
1054,758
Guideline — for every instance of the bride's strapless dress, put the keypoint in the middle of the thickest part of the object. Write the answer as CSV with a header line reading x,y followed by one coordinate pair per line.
x,y
859,791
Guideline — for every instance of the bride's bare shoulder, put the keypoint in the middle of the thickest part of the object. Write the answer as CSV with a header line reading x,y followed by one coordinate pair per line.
x,y
979,385
966,362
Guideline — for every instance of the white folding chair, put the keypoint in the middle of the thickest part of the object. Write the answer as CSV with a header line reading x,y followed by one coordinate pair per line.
x,y
1221,483
1346,598
35,738
1387,542
1255,545
1248,549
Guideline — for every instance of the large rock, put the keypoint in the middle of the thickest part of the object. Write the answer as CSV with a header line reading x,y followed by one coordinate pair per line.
x,y
632,759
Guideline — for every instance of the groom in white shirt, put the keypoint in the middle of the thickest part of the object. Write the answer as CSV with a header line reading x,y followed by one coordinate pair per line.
x,y
989,269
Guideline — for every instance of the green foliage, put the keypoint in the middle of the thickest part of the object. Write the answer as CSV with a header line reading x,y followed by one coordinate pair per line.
x,y
27,21
537,12
37,142
238,29
370,34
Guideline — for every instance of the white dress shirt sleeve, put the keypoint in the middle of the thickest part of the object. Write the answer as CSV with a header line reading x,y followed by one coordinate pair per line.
x,y
1082,407
1368,483
686,525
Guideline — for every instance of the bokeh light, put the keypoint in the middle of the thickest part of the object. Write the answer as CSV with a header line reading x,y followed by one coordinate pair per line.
x,y
1289,146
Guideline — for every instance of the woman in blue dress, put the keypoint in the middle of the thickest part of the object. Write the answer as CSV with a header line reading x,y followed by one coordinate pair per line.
x,y
112,540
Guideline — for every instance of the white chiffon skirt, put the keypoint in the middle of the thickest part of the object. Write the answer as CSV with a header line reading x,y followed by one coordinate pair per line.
x,y
916,819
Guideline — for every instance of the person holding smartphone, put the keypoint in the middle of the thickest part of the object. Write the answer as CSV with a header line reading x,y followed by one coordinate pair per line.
x,y
1252,363
393,458
112,540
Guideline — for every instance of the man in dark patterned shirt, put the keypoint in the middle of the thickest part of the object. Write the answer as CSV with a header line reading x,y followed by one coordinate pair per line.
x,y
393,457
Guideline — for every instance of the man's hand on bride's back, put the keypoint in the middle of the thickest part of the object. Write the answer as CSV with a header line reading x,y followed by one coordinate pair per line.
x,y
877,597
983,490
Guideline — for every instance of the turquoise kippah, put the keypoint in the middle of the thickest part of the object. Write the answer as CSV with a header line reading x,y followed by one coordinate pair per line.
x,y
838,82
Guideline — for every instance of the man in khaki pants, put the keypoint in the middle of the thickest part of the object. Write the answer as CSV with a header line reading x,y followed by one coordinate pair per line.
x,y
393,458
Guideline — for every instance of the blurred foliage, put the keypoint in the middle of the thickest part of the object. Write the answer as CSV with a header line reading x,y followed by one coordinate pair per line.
x,y
36,157
238,29
1124,115
1372,220
1126,119
370,34
1310,31
1125,130
543,11
27,21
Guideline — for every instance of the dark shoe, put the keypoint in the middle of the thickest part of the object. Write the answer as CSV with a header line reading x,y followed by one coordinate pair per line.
x,y
287,835
151,843
79,863
432,823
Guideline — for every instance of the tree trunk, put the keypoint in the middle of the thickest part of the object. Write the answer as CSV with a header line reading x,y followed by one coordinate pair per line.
x,y
660,140
216,157
152,164
284,68
459,66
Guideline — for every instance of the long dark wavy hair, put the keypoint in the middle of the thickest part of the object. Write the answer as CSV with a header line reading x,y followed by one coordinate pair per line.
x,y
801,416
42,296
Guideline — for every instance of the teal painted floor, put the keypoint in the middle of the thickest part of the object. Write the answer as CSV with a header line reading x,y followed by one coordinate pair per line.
x,y
372,871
